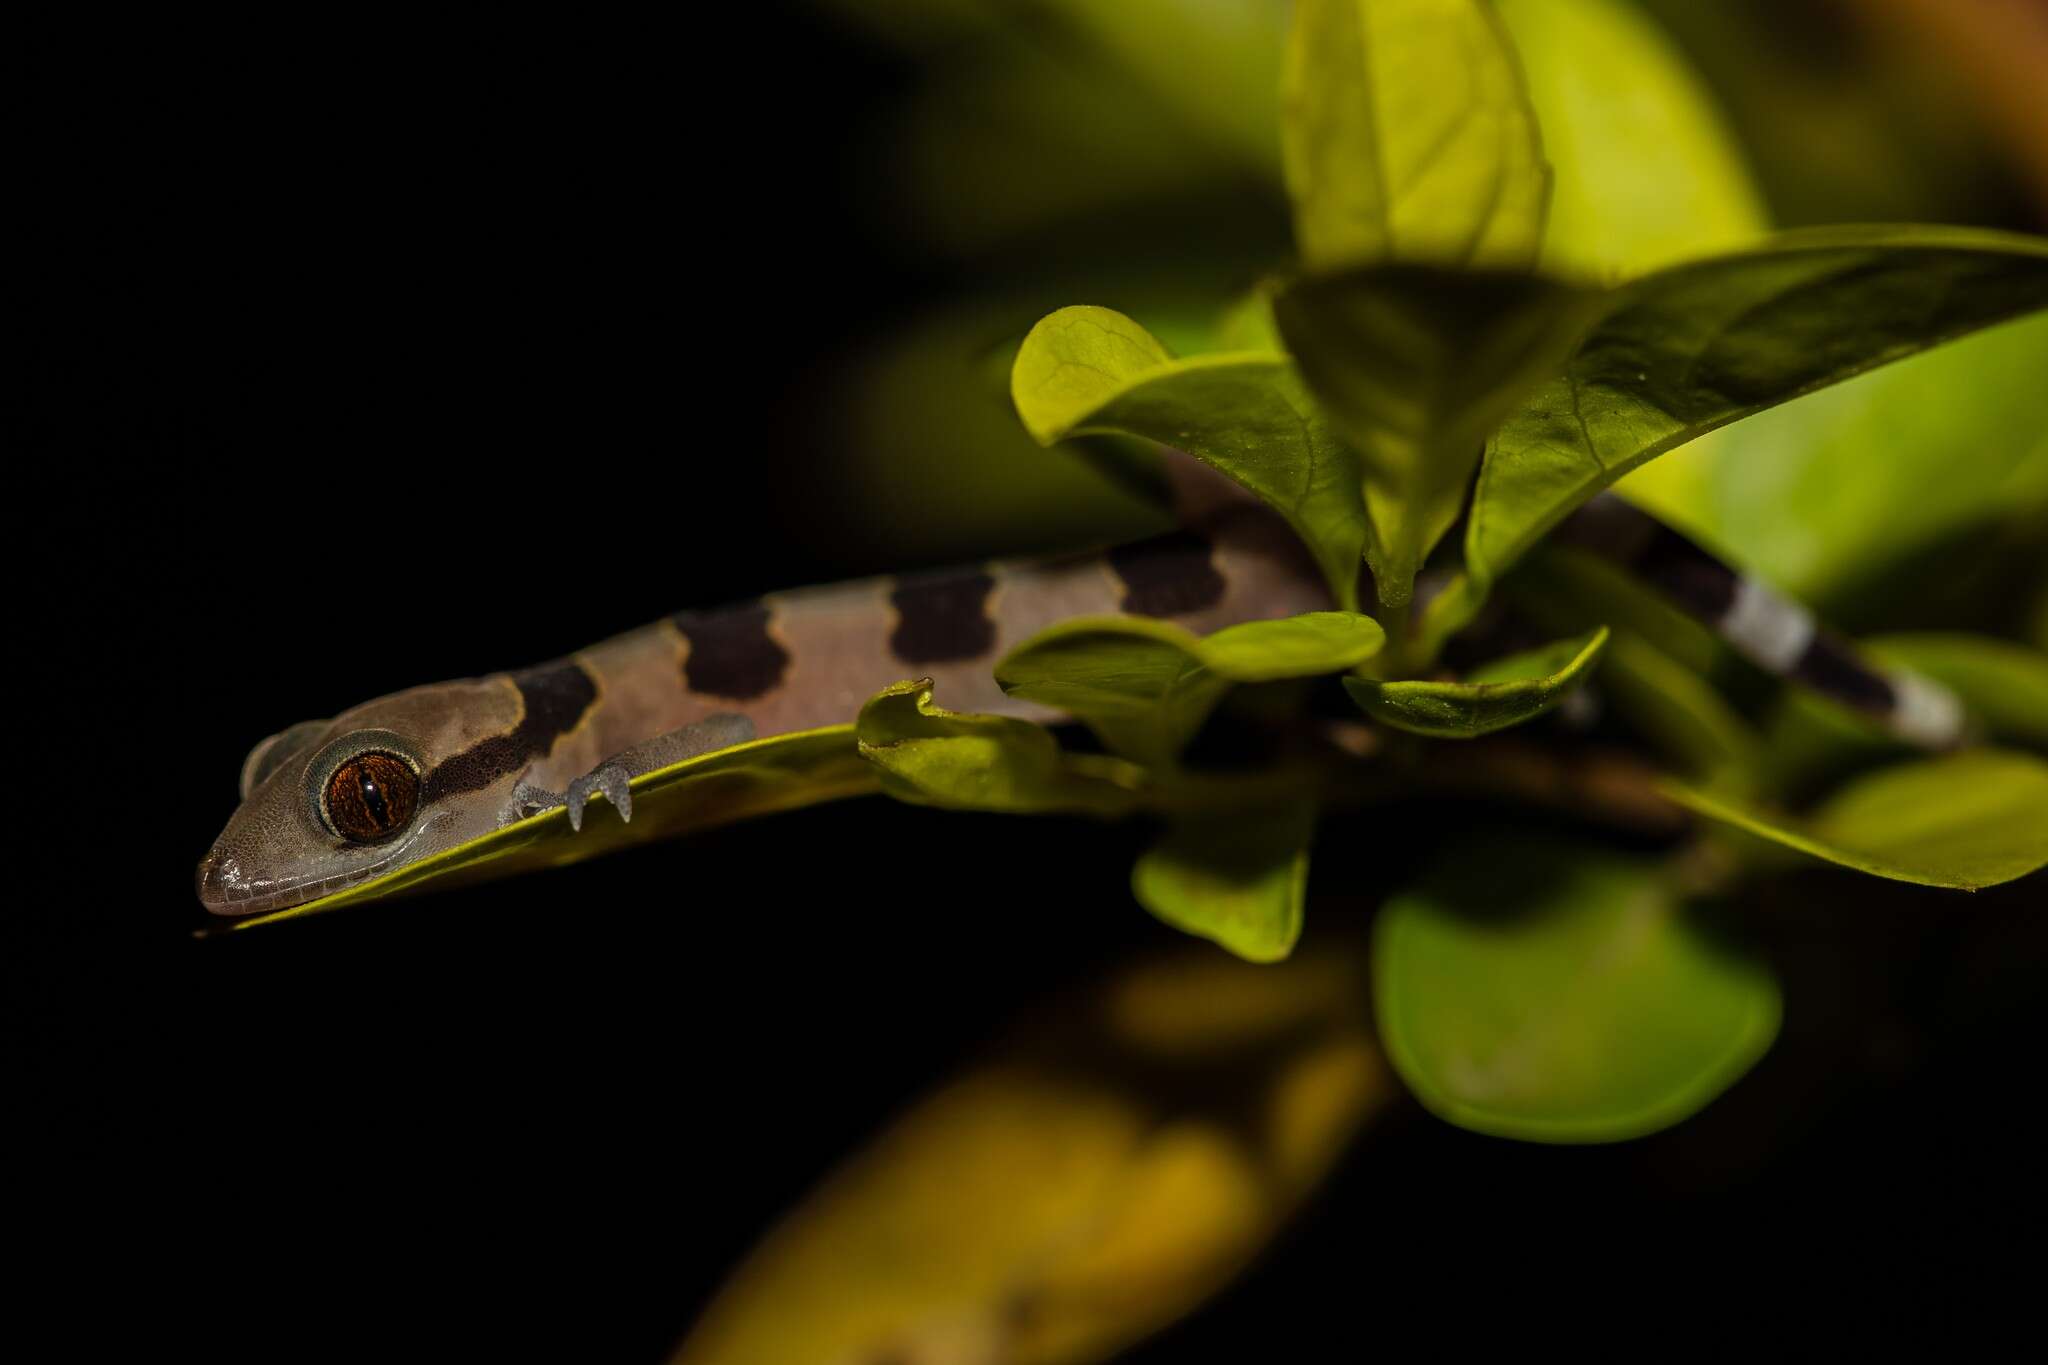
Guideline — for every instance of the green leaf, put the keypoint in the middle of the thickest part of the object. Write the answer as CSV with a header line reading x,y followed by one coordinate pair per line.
x,y
1091,370
1659,668
759,778
1691,348
961,761
1795,495
1248,325
931,464
1646,172
1507,692
1679,711
2003,684
1566,589
1139,684
1966,821
1406,135
1556,993
1310,645
1237,880
1146,686
1211,64
1415,367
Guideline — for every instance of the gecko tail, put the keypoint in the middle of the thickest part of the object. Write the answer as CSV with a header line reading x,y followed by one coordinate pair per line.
x,y
1772,631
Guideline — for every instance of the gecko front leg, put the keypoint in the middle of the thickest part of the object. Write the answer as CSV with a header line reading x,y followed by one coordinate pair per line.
x,y
612,779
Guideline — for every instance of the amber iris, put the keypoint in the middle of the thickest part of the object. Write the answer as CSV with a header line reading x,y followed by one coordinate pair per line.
x,y
371,797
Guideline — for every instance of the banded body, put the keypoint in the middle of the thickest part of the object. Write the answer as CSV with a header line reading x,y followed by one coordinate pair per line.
x,y
329,804
796,660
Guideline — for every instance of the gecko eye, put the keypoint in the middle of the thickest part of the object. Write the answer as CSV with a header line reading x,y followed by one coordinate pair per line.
x,y
370,797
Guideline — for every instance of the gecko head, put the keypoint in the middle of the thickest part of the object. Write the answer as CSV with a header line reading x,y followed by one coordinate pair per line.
x,y
329,804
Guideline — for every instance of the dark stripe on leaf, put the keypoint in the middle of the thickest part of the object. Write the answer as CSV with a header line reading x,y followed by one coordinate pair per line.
x,y
556,697
1831,667
1169,575
731,652
942,617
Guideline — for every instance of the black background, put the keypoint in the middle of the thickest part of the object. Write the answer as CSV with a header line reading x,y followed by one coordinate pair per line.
x,y
362,358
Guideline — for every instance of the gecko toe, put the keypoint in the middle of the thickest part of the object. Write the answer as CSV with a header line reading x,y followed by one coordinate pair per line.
x,y
608,780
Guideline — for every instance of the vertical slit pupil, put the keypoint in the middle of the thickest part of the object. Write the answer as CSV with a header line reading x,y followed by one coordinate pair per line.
x,y
371,796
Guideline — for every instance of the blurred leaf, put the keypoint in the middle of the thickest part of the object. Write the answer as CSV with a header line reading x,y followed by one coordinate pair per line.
x,y
1823,495
1645,170
1085,370
1559,993
934,757
929,462
1020,127
1211,62
1146,686
1406,135
1812,745
1248,324
1694,347
1967,820
1507,692
1849,112
1667,675
1134,1148
1415,367
1679,710
2002,684
1236,880
759,778
1564,588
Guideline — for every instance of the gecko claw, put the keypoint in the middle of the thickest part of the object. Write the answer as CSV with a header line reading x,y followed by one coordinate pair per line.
x,y
608,780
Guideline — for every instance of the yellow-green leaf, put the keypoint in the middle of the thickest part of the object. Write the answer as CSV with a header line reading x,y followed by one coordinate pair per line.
x,y
1797,496
1247,324
1559,993
1682,713
1406,135
1696,346
1966,821
1646,172
1507,692
1089,370
930,756
1237,880
1416,366
1305,646
1146,686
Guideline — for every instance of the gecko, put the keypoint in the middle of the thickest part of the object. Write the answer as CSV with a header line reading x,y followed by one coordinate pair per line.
x,y
329,804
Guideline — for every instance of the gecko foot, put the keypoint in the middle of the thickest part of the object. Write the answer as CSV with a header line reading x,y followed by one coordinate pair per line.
x,y
608,779
612,779
528,800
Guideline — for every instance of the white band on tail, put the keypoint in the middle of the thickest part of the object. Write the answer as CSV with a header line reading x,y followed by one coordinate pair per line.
x,y
1772,631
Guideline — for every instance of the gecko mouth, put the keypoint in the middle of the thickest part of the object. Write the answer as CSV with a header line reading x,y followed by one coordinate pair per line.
x,y
224,889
